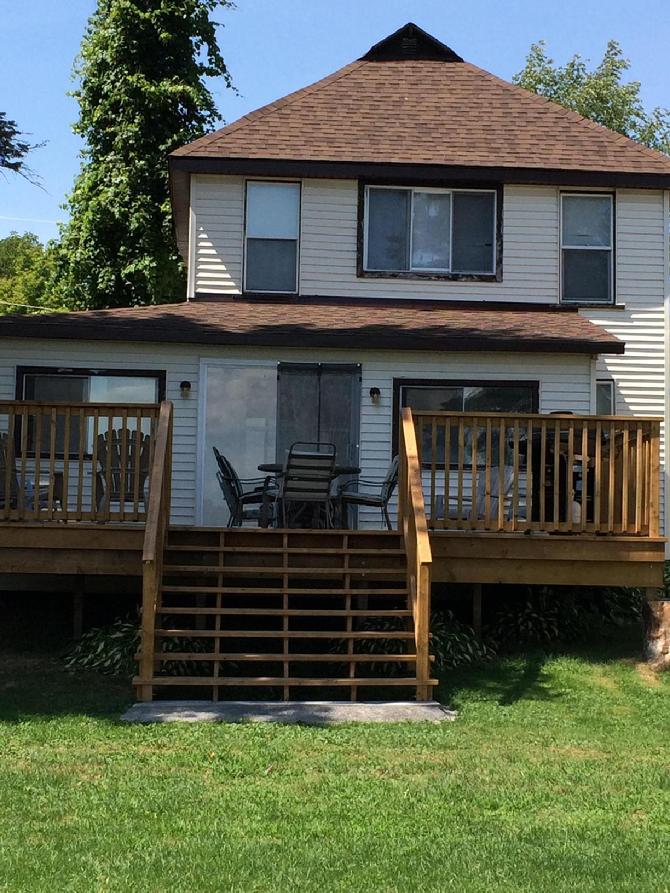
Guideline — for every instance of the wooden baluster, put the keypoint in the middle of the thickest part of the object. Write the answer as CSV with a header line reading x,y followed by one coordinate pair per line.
x,y
112,445
22,503
543,474
598,475
570,477
585,474
557,474
612,478
638,478
516,463
447,469
95,496
433,469
654,478
37,467
501,474
625,484
10,464
81,456
136,448
474,473
529,472
488,461
67,442
461,470
53,422
123,464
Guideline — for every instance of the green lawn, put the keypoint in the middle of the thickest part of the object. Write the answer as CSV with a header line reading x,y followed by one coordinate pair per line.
x,y
555,777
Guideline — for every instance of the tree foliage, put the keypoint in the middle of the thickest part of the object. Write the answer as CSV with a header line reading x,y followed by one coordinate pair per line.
x,y
600,94
26,270
14,148
141,94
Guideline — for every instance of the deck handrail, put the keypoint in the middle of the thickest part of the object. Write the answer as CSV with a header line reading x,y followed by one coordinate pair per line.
x,y
538,473
155,532
413,526
75,462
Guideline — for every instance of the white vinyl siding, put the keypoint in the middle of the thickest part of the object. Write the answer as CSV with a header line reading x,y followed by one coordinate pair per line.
x,y
328,245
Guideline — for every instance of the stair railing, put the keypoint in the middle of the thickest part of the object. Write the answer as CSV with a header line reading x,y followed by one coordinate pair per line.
x,y
158,519
412,524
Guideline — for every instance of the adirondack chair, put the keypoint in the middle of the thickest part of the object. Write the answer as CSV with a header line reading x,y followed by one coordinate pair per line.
x,y
12,496
123,468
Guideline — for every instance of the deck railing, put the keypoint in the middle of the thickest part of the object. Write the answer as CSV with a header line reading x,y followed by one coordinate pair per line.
x,y
412,525
540,473
75,461
155,532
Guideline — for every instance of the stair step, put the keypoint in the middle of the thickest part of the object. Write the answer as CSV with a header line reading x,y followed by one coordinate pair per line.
x,y
285,612
263,590
324,682
281,634
273,657
195,569
280,550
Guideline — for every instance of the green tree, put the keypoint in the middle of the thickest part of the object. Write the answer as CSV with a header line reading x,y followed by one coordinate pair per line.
x,y
26,269
600,94
141,94
14,148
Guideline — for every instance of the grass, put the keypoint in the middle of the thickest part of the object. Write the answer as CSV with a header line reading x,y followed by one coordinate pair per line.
x,y
555,777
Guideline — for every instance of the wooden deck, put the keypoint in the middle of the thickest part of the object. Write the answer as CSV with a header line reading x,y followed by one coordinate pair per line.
x,y
481,500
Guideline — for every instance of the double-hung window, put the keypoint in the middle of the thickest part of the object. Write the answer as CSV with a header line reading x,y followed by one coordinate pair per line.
x,y
272,237
587,248
430,231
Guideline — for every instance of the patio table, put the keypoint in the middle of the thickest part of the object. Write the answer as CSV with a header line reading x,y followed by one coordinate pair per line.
x,y
277,468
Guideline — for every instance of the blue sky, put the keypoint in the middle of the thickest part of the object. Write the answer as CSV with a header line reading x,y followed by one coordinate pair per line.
x,y
275,46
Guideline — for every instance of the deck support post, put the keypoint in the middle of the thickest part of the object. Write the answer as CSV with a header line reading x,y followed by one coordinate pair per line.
x,y
78,607
477,610
657,640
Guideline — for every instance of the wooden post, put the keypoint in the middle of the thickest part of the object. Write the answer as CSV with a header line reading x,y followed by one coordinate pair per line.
x,y
657,641
78,606
148,633
477,610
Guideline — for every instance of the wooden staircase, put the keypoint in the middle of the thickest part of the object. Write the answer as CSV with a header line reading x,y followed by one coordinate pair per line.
x,y
283,613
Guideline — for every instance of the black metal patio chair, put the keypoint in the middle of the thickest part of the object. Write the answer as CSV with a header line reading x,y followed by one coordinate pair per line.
x,y
378,500
306,485
251,499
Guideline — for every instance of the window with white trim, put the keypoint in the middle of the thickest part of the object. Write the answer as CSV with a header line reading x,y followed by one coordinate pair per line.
x,y
272,237
587,248
605,397
423,231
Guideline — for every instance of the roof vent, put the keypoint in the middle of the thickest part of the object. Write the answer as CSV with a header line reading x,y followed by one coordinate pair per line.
x,y
410,42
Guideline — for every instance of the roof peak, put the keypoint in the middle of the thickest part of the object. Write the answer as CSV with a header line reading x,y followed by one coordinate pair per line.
x,y
410,42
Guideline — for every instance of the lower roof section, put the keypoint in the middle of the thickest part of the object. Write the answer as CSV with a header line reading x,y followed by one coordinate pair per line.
x,y
332,322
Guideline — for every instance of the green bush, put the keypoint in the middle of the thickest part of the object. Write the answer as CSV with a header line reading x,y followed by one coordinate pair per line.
x,y
111,650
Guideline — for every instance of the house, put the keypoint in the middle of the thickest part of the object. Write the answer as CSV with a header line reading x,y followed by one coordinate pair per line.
x,y
410,257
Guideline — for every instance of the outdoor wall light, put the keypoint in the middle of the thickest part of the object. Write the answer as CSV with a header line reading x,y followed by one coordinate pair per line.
x,y
185,388
375,395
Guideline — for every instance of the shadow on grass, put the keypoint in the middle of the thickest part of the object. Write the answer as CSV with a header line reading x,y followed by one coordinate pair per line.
x,y
520,676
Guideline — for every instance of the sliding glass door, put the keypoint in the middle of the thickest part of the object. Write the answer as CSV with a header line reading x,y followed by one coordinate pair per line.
x,y
319,402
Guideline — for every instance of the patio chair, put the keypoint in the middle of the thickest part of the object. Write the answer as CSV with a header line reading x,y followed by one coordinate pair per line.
x,y
124,462
306,484
255,504
378,500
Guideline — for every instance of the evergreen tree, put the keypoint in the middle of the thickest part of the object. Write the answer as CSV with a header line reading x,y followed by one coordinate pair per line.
x,y
141,94
600,94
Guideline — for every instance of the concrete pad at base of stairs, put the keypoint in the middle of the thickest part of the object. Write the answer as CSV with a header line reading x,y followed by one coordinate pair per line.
x,y
312,713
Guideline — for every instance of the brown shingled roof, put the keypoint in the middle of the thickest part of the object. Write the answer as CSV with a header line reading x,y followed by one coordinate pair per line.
x,y
336,322
427,108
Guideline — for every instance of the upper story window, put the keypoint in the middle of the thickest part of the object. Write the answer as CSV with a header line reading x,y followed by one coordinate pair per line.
x,y
587,242
272,237
443,232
